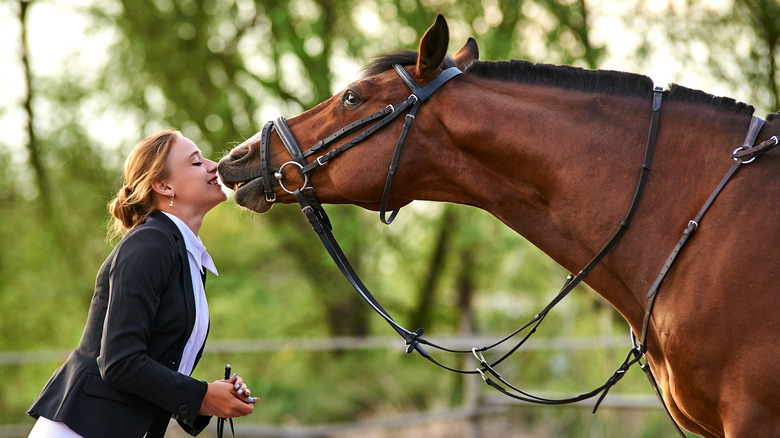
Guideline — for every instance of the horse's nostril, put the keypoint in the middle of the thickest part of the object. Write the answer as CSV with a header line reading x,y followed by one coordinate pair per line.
x,y
239,152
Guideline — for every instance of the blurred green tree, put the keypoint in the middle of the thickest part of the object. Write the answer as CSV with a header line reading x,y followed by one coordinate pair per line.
x,y
217,69
736,43
222,62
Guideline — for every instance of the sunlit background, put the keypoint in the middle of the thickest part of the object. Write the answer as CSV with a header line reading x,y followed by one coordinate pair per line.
x,y
90,79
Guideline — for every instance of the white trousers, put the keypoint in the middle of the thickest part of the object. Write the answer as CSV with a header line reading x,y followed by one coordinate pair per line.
x,y
45,428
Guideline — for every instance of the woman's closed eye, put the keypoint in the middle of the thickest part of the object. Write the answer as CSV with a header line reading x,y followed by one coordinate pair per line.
x,y
197,163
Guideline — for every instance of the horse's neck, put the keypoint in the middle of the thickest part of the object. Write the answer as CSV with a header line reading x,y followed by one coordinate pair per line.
x,y
568,164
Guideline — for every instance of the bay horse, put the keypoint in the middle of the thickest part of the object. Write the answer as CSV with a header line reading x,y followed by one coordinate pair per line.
x,y
553,152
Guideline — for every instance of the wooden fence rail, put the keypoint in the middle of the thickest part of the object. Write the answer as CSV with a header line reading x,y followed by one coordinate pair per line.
x,y
484,405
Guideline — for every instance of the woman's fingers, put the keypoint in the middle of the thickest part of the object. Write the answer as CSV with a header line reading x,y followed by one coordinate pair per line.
x,y
241,390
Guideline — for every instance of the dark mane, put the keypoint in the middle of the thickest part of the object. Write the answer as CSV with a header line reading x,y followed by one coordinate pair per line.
x,y
568,77
681,94
564,76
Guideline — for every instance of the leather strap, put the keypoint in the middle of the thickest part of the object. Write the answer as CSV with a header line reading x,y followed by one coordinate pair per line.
x,y
394,165
641,344
755,126
349,129
320,223
657,390
316,216
424,93
221,421
221,427
746,153
265,162
389,115
289,141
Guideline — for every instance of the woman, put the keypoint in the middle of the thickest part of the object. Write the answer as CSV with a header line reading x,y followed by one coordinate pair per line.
x,y
148,319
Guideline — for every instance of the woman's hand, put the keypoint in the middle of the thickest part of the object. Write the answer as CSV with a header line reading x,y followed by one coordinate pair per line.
x,y
227,399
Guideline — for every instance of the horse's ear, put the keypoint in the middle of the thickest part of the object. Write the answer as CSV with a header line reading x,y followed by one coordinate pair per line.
x,y
469,52
433,47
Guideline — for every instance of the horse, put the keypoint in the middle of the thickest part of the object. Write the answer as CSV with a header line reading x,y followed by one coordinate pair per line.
x,y
553,152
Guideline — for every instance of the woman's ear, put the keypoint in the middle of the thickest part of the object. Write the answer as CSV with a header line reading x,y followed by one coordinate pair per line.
x,y
162,188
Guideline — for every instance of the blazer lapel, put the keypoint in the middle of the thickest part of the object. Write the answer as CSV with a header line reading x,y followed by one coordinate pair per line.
x,y
186,275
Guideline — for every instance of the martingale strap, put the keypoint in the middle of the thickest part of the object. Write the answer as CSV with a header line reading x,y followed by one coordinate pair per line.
x,y
755,125
640,345
571,283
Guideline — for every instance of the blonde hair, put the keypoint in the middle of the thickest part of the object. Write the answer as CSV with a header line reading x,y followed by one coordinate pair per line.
x,y
136,199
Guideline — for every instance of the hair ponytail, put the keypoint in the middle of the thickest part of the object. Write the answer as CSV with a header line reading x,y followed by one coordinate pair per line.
x,y
136,199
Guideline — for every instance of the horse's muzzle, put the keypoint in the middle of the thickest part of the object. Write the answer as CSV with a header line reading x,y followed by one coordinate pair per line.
x,y
239,173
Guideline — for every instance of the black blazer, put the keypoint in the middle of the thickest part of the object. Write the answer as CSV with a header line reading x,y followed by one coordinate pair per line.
x,y
122,380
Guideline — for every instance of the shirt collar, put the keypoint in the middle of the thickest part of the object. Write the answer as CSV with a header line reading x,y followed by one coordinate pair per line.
x,y
194,245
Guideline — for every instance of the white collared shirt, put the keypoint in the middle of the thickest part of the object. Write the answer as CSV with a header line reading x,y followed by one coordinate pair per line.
x,y
199,259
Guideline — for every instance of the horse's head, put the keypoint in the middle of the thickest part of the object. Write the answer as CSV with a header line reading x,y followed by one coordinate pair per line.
x,y
270,165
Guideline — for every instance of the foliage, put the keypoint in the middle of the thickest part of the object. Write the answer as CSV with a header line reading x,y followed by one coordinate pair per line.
x,y
737,43
218,69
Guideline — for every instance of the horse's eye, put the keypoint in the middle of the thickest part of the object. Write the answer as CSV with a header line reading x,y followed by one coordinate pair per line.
x,y
349,98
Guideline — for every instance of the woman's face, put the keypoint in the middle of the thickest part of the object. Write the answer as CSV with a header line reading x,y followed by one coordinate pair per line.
x,y
193,178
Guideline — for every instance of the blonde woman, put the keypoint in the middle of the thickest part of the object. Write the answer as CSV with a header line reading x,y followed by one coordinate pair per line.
x,y
148,318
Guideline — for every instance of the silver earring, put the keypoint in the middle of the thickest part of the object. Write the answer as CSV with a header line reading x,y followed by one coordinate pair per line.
x,y
171,204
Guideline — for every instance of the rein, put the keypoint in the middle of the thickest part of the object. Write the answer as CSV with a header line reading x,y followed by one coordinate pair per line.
x,y
318,219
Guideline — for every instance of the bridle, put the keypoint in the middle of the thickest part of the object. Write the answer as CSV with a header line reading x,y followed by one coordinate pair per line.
x,y
312,209
306,197
381,118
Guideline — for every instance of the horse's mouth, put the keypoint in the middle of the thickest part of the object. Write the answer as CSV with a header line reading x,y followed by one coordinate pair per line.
x,y
247,187
250,195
